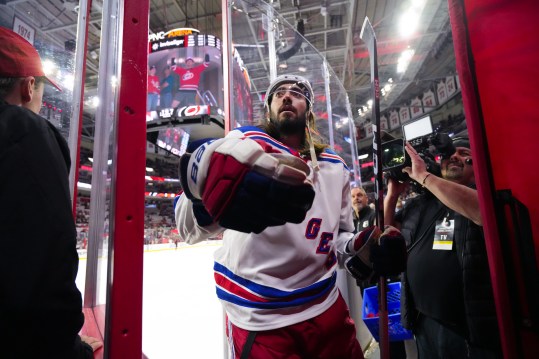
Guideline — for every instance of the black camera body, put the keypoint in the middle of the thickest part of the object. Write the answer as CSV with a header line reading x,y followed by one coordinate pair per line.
x,y
394,167
427,143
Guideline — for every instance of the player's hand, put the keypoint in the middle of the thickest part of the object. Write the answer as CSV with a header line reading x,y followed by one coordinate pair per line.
x,y
244,188
389,257
372,250
359,249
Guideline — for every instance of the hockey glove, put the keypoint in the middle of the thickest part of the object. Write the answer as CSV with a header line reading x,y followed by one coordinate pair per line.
x,y
390,256
359,247
244,188
371,250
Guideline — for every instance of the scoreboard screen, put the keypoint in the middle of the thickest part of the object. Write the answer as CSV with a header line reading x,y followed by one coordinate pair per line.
x,y
198,40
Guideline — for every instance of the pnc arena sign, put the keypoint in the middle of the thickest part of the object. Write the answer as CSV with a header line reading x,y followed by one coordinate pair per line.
x,y
162,35
181,38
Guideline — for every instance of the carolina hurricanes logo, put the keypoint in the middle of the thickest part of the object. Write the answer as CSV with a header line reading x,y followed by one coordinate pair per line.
x,y
188,75
192,110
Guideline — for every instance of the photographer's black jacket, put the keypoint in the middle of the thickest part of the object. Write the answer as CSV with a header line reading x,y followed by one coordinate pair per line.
x,y
366,218
40,306
469,306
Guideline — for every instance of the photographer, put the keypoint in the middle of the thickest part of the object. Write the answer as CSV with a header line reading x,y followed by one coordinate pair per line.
x,y
447,298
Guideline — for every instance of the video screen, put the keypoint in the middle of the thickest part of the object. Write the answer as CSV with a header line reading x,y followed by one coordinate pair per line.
x,y
184,69
173,140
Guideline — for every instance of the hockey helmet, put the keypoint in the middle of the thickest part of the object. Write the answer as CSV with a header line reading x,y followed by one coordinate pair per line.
x,y
300,81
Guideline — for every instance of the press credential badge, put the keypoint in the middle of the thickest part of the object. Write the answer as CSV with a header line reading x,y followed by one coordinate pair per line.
x,y
443,234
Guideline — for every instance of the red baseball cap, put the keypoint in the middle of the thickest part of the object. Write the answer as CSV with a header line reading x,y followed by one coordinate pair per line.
x,y
18,58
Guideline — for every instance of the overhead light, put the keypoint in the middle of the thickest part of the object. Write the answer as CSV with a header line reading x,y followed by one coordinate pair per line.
x,y
302,69
283,65
408,23
362,157
409,20
404,60
149,169
48,67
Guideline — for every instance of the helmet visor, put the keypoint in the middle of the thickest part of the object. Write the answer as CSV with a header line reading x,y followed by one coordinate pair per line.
x,y
295,90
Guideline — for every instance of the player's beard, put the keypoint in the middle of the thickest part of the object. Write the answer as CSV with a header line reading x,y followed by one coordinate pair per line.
x,y
285,124
290,125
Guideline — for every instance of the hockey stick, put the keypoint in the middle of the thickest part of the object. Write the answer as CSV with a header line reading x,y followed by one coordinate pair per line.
x,y
368,36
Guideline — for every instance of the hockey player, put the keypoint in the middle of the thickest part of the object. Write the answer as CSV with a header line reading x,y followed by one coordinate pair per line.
x,y
282,200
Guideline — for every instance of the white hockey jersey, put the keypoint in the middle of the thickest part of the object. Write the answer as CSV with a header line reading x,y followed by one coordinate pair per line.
x,y
286,274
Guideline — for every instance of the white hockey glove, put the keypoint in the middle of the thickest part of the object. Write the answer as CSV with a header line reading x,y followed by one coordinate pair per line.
x,y
242,187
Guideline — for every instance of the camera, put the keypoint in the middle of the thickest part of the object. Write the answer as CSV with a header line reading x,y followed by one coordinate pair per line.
x,y
427,143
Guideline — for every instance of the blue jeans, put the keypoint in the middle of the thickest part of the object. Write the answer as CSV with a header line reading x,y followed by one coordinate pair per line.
x,y
151,104
166,100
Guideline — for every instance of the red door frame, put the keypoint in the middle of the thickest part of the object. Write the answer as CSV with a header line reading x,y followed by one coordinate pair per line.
x,y
495,43
125,299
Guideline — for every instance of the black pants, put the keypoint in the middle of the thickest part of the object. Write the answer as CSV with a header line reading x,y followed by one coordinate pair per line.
x,y
435,340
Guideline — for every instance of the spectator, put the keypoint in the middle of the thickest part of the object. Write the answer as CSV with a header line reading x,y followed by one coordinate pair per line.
x,y
447,294
364,215
167,88
189,80
40,305
153,90
282,201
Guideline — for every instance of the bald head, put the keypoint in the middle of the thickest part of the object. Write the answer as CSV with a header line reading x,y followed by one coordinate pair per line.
x,y
359,199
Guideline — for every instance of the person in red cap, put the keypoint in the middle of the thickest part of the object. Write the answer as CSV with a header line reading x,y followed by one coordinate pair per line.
x,y
40,305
